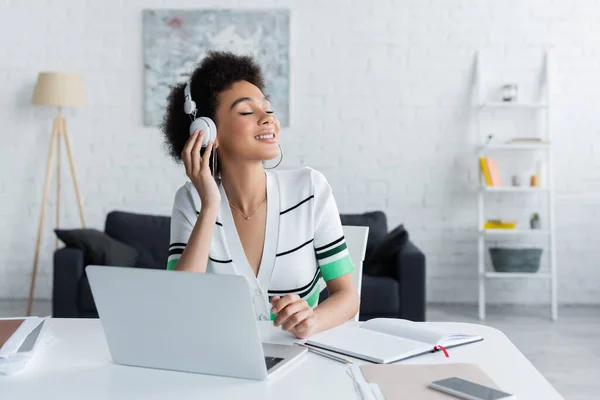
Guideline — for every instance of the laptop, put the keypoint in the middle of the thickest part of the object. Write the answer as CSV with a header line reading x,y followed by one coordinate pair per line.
x,y
184,321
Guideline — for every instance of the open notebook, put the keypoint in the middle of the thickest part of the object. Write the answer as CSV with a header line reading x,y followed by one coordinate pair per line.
x,y
387,340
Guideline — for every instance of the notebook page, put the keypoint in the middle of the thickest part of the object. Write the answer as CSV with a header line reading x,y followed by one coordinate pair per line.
x,y
405,329
366,344
457,339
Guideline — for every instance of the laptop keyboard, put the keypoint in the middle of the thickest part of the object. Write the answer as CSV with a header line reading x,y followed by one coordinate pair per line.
x,y
272,361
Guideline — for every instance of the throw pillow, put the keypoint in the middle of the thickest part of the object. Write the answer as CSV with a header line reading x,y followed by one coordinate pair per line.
x,y
378,263
98,248
148,234
377,223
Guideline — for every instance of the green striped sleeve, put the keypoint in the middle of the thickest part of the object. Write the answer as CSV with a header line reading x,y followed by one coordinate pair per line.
x,y
171,264
337,268
175,251
334,259
313,299
332,252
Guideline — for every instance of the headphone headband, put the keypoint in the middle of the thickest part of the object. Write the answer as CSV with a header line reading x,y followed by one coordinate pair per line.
x,y
201,123
190,105
186,91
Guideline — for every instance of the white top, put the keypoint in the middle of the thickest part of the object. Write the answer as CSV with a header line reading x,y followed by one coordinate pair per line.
x,y
304,240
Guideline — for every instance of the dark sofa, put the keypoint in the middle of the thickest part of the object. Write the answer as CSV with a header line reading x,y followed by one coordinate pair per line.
x,y
398,290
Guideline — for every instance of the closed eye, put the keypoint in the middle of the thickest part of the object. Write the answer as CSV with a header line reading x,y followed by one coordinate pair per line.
x,y
250,113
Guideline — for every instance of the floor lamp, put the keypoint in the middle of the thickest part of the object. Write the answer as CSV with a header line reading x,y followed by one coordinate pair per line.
x,y
59,90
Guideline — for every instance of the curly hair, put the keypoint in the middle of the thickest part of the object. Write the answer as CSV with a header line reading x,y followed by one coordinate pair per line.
x,y
217,72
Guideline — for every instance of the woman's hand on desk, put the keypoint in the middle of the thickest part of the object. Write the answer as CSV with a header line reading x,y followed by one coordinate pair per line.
x,y
294,315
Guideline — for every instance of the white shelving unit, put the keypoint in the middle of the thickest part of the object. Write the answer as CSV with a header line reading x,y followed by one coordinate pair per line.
x,y
514,146
514,232
499,104
545,146
509,189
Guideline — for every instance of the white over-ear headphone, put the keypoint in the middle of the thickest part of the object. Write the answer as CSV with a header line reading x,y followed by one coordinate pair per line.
x,y
201,123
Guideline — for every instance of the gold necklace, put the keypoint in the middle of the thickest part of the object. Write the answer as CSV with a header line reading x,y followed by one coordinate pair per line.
x,y
247,216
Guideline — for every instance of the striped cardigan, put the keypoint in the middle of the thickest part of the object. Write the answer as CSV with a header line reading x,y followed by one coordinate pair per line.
x,y
304,243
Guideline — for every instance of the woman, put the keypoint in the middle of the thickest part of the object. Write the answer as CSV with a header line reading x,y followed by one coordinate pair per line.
x,y
280,229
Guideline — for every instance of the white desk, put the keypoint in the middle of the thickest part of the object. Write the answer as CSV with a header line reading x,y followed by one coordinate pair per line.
x,y
78,366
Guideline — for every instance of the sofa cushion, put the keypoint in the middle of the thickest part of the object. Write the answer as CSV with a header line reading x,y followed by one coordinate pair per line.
x,y
98,248
85,301
384,254
148,234
379,296
377,223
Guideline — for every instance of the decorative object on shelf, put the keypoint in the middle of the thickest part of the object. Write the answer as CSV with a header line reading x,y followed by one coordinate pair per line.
x,y
516,180
533,181
539,173
500,224
510,92
535,221
524,260
56,89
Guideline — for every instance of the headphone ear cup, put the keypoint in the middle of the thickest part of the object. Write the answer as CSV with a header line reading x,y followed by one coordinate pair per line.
x,y
208,126
200,124
213,129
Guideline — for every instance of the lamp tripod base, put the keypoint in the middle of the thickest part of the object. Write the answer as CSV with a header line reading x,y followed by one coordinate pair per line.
x,y
59,130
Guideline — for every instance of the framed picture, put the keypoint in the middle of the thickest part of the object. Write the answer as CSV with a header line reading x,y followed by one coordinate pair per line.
x,y
175,40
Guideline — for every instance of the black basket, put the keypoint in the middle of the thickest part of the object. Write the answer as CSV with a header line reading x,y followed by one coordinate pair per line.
x,y
516,260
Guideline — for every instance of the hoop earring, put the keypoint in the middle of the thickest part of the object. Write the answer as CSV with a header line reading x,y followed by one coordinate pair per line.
x,y
280,158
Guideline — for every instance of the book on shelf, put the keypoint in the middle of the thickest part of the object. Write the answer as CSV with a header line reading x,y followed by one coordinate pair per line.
x,y
485,171
500,224
521,140
494,171
491,172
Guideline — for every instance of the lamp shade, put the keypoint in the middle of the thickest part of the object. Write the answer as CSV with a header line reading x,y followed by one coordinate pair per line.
x,y
59,89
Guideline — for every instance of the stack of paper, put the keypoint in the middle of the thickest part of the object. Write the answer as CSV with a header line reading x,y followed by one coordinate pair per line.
x,y
18,337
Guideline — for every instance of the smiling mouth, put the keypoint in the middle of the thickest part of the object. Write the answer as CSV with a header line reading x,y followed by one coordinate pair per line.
x,y
267,136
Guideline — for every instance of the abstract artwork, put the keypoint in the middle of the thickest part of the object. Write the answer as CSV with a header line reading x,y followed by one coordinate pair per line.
x,y
176,40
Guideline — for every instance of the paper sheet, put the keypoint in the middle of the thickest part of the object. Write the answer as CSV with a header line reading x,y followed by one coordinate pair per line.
x,y
411,381
364,389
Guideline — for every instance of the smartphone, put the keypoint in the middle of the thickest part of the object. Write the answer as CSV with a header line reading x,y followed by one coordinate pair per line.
x,y
468,390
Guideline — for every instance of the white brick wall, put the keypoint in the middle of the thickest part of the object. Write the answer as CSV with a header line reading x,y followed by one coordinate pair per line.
x,y
380,100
